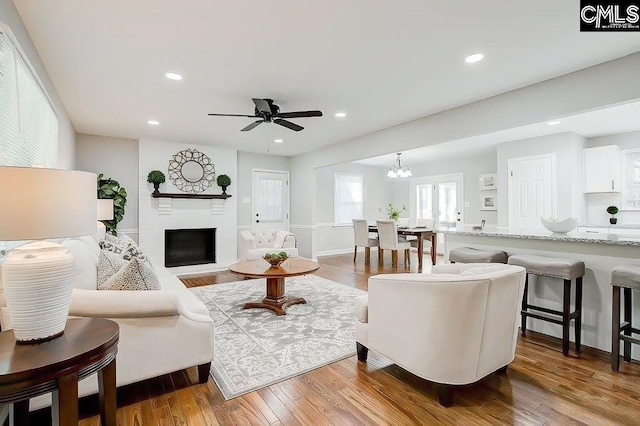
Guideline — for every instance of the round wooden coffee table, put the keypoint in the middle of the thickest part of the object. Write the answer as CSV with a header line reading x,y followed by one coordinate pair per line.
x,y
276,299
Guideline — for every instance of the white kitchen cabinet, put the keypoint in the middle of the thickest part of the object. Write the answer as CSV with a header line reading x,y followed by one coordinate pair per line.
x,y
602,169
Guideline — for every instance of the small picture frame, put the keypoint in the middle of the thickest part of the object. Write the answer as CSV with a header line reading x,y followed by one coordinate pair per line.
x,y
489,200
488,181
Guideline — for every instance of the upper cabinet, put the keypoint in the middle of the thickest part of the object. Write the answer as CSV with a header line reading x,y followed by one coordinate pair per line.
x,y
602,169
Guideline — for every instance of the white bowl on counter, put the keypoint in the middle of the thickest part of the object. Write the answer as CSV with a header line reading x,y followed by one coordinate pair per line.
x,y
559,226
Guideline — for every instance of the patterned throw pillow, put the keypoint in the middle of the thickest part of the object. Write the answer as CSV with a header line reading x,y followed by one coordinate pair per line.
x,y
135,275
123,246
108,264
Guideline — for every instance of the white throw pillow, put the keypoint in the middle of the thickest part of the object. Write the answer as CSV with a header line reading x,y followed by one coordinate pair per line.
x,y
109,264
136,275
124,246
86,262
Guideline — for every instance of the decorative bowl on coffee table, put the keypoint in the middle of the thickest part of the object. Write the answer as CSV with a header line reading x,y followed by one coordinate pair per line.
x,y
275,259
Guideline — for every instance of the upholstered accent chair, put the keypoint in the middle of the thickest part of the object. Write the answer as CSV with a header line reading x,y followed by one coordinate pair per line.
x,y
254,244
453,327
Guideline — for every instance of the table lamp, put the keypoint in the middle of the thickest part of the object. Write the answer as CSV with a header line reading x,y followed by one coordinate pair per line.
x,y
36,204
105,212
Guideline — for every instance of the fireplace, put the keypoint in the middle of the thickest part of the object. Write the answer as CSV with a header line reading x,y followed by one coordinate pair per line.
x,y
184,247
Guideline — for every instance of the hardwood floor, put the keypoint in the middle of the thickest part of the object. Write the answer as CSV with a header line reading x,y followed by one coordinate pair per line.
x,y
540,387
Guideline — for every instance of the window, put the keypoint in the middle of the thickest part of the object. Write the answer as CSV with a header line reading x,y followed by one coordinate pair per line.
x,y
631,179
28,123
347,198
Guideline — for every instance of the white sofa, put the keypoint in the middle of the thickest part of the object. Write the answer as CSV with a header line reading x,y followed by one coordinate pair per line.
x,y
160,331
452,327
254,244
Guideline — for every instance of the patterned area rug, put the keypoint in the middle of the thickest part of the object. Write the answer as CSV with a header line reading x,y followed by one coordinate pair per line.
x,y
254,348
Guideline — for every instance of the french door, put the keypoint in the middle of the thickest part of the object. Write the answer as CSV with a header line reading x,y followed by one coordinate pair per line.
x,y
270,199
439,198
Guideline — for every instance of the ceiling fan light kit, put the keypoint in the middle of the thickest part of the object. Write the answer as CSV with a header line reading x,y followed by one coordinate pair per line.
x,y
268,112
398,170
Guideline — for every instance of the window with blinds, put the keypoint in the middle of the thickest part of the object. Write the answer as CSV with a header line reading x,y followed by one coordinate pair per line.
x,y
28,123
348,198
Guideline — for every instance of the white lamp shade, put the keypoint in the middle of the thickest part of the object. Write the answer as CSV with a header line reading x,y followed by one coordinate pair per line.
x,y
105,209
36,203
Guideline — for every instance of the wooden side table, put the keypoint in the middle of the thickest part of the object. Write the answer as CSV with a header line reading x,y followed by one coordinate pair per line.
x,y
88,345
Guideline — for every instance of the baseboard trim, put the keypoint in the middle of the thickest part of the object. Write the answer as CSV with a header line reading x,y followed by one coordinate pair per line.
x,y
341,251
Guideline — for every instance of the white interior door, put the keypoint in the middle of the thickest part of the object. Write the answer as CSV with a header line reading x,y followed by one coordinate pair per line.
x,y
532,191
437,197
270,199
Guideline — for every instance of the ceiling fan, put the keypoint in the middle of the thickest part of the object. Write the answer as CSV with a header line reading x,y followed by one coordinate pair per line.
x,y
268,112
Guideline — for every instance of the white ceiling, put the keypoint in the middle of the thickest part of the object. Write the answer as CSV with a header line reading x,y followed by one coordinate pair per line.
x,y
619,119
383,62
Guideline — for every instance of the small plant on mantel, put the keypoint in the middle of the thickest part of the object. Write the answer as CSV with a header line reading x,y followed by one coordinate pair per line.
x,y
223,182
156,177
613,211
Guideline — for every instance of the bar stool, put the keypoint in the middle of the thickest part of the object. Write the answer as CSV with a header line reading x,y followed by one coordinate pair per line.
x,y
564,269
626,277
472,255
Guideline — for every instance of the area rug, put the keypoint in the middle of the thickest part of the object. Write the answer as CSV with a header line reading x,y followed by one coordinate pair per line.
x,y
254,348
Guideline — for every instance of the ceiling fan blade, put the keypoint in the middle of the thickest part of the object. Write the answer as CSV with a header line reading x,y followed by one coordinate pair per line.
x,y
252,125
233,115
262,105
288,124
300,114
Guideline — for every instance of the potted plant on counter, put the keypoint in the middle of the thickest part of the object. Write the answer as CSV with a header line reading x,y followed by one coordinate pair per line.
x,y
156,177
223,182
613,211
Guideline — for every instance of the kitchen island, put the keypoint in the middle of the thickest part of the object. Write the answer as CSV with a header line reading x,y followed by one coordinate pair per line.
x,y
601,252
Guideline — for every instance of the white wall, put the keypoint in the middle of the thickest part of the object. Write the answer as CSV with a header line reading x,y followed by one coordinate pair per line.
x,y
568,149
66,133
592,88
377,194
117,159
156,215
597,203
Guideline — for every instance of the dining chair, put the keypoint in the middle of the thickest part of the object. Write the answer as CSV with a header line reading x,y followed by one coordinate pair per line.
x,y
388,240
361,238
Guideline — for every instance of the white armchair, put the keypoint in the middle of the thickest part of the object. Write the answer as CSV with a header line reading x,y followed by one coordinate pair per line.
x,y
254,244
452,327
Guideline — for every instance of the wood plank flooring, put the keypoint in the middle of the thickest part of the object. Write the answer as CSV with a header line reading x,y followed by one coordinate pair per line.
x,y
541,387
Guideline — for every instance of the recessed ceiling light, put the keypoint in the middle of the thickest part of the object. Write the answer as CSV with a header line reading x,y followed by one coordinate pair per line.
x,y
153,122
553,123
173,76
278,140
340,114
474,58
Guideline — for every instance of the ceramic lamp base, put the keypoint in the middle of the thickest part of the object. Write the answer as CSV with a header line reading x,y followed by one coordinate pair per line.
x,y
38,280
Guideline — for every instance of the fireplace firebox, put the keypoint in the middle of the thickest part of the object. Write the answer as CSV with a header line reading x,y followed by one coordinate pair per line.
x,y
184,247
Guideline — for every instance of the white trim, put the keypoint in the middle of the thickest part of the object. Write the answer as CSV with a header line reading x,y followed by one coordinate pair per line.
x,y
554,183
253,195
313,227
5,29
434,180
623,179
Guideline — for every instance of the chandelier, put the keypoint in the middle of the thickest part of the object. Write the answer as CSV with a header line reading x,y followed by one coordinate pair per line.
x,y
398,170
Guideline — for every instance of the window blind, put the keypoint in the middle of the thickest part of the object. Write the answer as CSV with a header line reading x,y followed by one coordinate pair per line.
x,y
28,123
348,198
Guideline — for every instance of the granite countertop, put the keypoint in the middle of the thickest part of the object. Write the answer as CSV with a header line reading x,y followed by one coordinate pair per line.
x,y
572,237
610,226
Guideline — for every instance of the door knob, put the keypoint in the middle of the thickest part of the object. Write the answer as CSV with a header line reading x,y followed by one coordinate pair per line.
x,y
257,221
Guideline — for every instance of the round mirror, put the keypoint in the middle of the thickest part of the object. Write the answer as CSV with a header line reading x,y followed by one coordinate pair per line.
x,y
192,171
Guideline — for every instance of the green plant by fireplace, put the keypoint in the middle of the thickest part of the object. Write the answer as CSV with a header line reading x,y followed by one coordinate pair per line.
x,y
223,182
111,189
156,177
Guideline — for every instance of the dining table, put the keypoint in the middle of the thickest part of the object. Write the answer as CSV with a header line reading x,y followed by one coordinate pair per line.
x,y
422,234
